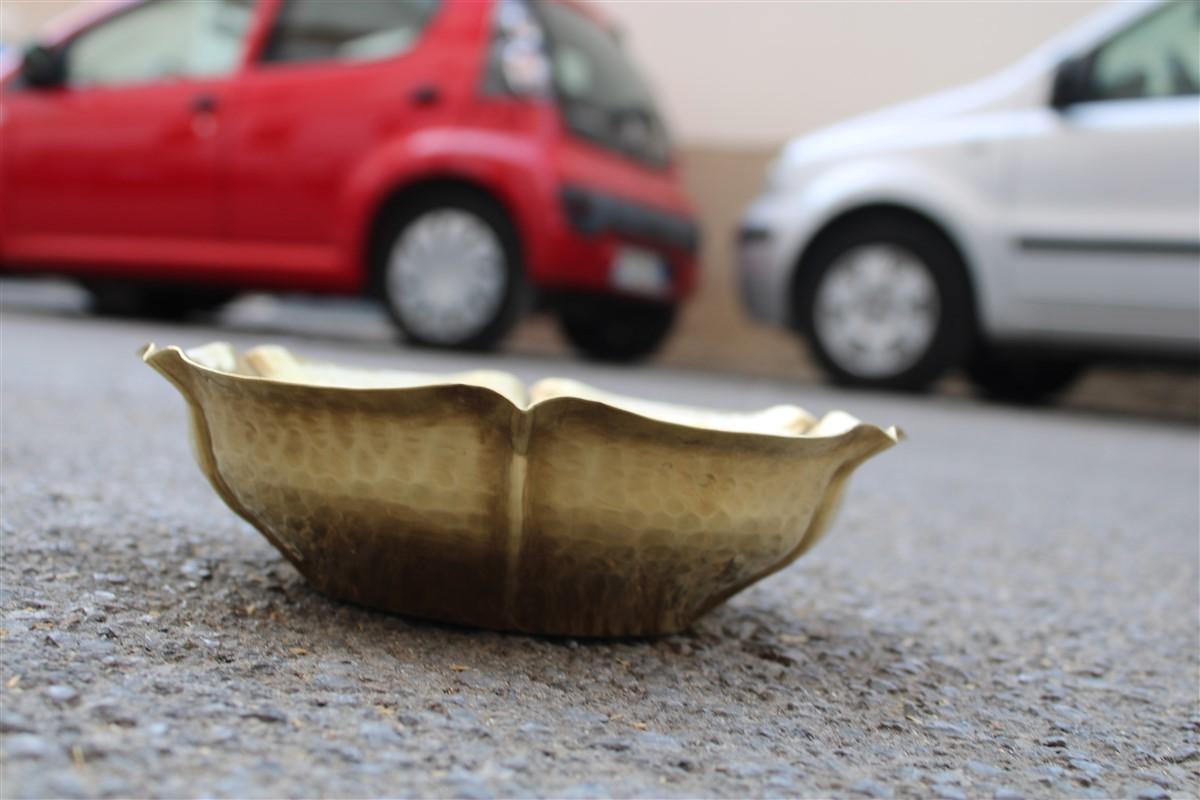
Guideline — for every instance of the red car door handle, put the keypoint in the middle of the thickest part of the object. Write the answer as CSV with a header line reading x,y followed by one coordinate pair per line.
x,y
204,104
427,94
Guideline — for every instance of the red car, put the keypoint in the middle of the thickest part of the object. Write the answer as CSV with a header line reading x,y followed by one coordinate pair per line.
x,y
460,160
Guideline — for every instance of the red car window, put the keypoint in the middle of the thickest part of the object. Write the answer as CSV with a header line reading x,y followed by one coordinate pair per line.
x,y
161,40
318,30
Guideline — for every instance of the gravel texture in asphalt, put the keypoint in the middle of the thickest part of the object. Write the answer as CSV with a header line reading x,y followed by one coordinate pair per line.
x,y
1007,607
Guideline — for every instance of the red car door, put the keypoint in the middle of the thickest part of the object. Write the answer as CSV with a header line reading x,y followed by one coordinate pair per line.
x,y
117,167
333,81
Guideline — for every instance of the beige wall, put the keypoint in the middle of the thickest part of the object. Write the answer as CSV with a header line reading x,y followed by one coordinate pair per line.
x,y
745,73
20,19
752,73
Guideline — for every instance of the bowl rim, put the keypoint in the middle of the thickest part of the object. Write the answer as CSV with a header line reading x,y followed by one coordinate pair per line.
x,y
847,424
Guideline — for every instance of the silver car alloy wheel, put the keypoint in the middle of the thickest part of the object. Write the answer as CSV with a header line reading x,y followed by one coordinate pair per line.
x,y
446,276
876,310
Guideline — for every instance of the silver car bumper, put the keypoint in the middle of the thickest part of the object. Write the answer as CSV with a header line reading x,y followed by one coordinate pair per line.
x,y
764,268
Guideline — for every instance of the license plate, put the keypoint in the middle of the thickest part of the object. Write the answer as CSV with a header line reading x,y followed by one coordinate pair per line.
x,y
641,272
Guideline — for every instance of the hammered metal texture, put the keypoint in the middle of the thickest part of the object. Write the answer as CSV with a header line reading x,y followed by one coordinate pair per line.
x,y
459,503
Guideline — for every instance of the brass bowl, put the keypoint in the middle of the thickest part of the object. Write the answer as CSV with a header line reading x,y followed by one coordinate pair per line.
x,y
465,499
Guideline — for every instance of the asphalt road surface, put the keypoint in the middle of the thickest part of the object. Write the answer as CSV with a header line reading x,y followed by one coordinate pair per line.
x,y
1007,606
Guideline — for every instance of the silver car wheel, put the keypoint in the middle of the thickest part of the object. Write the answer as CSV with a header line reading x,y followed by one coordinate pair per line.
x,y
876,310
446,276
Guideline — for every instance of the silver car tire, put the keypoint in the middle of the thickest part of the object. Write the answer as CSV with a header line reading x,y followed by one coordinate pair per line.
x,y
884,303
876,310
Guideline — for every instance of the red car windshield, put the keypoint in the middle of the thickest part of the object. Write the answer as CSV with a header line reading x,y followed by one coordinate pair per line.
x,y
603,97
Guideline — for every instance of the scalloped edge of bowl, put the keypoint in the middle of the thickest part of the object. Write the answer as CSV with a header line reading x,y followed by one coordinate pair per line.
x,y
836,429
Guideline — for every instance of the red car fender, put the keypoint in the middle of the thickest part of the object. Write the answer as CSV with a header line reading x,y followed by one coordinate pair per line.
x,y
503,164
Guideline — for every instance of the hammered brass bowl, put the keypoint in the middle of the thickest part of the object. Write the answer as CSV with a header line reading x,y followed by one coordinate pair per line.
x,y
466,499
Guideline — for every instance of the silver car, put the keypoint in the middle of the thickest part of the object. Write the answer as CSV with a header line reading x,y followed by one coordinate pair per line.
x,y
1018,228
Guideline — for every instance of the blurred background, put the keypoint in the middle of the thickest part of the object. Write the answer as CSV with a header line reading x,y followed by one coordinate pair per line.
x,y
735,82
1008,605
789,69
